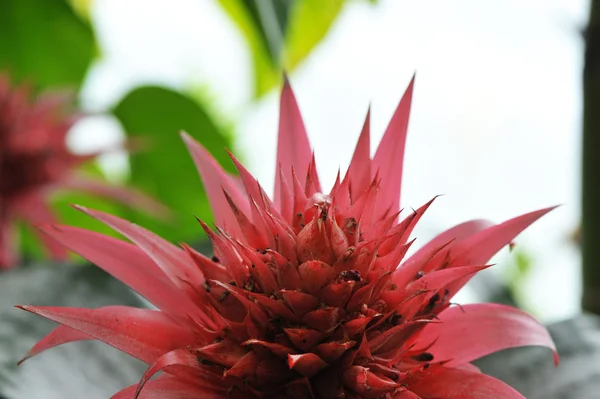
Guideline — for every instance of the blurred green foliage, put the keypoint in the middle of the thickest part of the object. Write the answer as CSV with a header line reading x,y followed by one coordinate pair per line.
x,y
164,168
45,43
280,33
82,7
517,272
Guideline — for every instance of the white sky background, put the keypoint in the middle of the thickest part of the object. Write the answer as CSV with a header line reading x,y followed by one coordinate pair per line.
x,y
496,112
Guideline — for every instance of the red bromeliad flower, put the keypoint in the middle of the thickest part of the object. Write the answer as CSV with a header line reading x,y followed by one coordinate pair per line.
x,y
35,162
304,297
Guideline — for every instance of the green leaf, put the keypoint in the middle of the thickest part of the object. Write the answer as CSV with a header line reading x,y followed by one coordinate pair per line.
x,y
309,23
524,262
164,169
280,33
82,7
520,265
265,72
44,42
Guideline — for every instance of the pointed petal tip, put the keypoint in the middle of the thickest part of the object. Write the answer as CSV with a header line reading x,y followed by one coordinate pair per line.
x,y
187,140
190,142
30,308
227,196
205,227
26,357
291,359
80,208
31,353
185,136
537,214
235,160
547,209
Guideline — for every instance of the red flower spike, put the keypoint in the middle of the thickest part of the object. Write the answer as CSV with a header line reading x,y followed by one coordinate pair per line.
x,y
293,148
312,185
389,157
176,358
359,171
304,338
332,351
281,351
122,260
144,334
60,335
35,163
287,197
417,261
500,327
215,181
307,364
310,297
367,384
209,268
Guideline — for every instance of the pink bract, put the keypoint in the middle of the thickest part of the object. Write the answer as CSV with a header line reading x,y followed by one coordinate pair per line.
x,y
309,295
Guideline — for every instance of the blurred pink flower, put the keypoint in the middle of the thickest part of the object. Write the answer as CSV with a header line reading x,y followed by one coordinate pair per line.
x,y
35,162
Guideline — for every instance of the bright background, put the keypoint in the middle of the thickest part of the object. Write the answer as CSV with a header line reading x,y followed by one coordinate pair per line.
x,y
496,113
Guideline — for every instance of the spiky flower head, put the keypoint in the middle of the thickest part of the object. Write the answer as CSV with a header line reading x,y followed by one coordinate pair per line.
x,y
308,295
35,161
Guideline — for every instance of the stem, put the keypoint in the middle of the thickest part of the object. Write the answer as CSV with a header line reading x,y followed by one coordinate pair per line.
x,y
590,228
